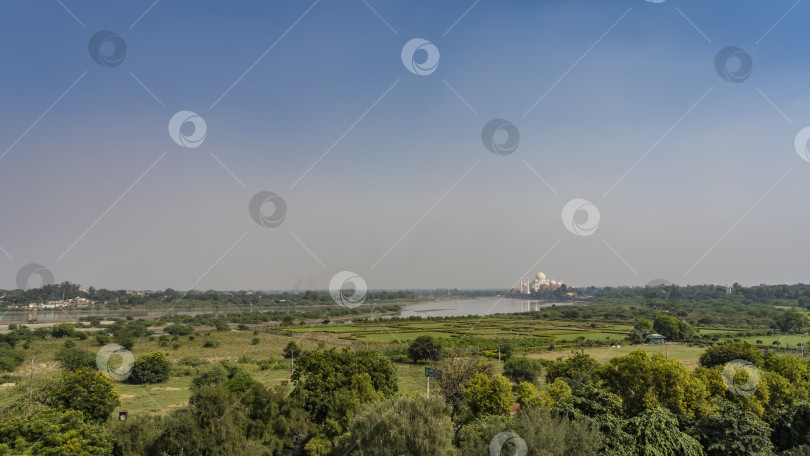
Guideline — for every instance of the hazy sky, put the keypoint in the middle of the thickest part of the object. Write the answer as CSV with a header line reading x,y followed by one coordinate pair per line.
x,y
684,147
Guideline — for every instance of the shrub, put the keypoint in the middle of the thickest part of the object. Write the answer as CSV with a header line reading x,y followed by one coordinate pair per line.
x,y
73,359
151,368
522,369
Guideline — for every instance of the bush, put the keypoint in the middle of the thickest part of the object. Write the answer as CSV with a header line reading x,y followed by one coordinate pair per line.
x,y
73,359
63,330
151,368
522,370
179,330
255,341
210,344
10,359
88,391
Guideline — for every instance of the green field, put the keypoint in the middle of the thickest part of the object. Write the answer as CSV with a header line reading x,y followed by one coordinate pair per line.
x,y
238,346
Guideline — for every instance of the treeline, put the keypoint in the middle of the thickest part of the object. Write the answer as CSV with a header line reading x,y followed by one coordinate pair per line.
x,y
122,299
792,295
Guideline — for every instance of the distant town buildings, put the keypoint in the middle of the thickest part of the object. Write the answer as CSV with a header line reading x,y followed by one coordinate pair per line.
x,y
540,282
74,302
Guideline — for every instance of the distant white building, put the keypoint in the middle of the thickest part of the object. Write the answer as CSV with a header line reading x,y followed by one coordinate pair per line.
x,y
540,282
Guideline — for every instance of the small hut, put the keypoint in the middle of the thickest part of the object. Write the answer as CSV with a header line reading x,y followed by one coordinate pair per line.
x,y
656,338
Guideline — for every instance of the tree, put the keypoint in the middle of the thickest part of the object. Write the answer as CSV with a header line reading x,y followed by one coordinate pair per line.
x,y
292,350
407,425
577,369
731,430
558,434
63,330
793,321
656,433
644,382
334,384
179,330
424,348
522,369
642,324
72,359
151,368
536,430
53,433
792,428
720,354
458,370
487,396
10,359
668,326
88,391
137,434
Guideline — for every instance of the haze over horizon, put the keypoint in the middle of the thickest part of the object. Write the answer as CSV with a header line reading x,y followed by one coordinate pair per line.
x,y
636,143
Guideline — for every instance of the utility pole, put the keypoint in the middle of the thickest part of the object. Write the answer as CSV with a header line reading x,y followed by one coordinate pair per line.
x,y
31,389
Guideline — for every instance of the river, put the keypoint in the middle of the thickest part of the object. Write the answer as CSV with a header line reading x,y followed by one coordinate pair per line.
x,y
448,308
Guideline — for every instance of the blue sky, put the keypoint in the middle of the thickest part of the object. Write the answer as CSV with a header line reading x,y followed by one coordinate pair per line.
x,y
696,178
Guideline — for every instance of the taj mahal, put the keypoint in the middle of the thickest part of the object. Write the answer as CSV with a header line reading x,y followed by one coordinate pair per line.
x,y
540,282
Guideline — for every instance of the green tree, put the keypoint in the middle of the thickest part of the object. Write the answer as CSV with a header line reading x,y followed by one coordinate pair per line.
x,y
10,359
212,375
537,430
88,391
577,369
668,326
731,430
644,382
522,369
334,384
424,348
292,350
792,428
53,433
487,396
793,321
413,425
720,354
642,324
137,434
656,433
72,359
151,368
63,330
179,330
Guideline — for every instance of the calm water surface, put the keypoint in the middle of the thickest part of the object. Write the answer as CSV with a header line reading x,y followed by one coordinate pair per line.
x,y
450,308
